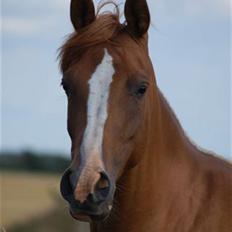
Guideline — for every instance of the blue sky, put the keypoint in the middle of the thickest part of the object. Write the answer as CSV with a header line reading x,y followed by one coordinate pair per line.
x,y
190,50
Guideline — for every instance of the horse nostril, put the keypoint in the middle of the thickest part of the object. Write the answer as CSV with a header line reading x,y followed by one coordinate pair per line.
x,y
103,184
65,185
102,189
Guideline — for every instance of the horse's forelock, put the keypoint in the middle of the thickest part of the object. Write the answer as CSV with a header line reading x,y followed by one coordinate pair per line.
x,y
104,29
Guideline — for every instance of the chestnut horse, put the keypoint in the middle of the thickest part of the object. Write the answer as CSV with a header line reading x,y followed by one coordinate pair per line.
x,y
133,168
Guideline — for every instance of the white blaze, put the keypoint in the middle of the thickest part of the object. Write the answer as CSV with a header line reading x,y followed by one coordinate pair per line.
x,y
99,90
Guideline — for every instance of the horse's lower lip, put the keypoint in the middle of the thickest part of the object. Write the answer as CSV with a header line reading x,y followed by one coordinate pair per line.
x,y
80,217
87,217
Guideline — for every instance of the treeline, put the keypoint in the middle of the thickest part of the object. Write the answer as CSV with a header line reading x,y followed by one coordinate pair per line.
x,y
33,162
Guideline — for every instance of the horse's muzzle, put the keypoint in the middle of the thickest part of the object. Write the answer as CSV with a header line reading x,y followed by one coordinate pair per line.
x,y
96,206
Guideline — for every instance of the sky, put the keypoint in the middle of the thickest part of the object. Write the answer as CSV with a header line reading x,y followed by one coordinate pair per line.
x,y
189,43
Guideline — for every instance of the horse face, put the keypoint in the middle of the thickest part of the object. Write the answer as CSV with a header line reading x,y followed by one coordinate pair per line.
x,y
108,92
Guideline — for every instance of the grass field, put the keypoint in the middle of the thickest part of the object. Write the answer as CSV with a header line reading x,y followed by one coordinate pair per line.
x,y
31,202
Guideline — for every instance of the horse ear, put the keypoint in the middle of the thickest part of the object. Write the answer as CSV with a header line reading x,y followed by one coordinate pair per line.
x,y
137,17
82,13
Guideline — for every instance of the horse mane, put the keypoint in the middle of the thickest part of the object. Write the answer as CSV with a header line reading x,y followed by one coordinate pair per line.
x,y
104,29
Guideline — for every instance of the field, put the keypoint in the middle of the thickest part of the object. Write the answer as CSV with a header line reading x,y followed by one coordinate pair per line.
x,y
31,203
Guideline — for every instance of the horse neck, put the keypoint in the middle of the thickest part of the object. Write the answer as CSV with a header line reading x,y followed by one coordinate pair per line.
x,y
165,162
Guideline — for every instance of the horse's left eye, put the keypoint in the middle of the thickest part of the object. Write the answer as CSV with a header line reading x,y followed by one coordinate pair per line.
x,y
141,90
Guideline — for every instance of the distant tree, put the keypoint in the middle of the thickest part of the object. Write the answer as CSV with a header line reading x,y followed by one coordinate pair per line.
x,y
33,162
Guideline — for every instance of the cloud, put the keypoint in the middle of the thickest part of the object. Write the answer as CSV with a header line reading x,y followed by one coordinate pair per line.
x,y
192,8
35,5
198,7
26,26
31,17
19,26
27,17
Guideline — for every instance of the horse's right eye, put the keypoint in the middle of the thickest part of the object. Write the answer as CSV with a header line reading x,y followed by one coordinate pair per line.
x,y
65,87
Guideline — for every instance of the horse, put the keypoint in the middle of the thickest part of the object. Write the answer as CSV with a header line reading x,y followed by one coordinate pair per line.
x,y
133,168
